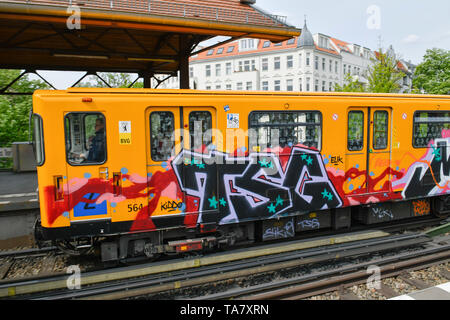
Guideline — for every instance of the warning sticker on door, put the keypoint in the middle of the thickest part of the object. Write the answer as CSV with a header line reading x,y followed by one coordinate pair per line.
x,y
233,120
125,132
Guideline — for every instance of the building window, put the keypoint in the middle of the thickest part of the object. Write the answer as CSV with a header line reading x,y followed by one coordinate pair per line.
x,y
85,138
239,86
380,130
247,65
217,70
345,69
307,59
228,68
266,44
208,87
308,84
210,52
228,86
220,50
323,86
291,41
330,88
277,85
355,134
265,85
336,66
276,63
200,129
316,62
316,85
253,65
248,86
300,56
289,85
161,135
289,62
429,126
230,49
331,66
191,72
323,64
218,87
265,64
285,129
208,70
300,87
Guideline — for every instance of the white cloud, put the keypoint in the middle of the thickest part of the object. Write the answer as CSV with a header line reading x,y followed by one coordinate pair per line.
x,y
412,38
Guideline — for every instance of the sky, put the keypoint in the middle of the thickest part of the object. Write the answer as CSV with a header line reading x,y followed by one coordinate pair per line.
x,y
410,26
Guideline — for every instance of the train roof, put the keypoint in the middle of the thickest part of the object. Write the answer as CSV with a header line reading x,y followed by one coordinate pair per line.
x,y
138,91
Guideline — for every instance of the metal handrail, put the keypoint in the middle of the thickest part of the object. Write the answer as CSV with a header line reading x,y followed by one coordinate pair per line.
x,y
170,8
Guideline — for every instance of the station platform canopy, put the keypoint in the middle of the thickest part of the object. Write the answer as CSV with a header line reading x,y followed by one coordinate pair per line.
x,y
139,36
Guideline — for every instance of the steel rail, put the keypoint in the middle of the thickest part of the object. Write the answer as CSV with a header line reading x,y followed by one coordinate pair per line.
x,y
327,281
223,271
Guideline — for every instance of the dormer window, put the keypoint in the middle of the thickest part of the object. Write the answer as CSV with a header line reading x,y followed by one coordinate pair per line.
x,y
323,42
219,51
266,44
247,44
210,52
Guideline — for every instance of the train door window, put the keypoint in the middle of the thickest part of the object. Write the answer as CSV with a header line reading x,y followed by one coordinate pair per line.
x,y
284,129
380,129
85,138
38,140
429,126
200,128
355,137
162,135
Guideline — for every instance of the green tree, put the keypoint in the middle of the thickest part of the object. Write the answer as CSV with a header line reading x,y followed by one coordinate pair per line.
x,y
15,109
351,84
384,75
433,74
115,80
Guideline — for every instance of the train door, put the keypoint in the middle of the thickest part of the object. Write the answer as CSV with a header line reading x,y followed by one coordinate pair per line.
x,y
165,202
379,156
87,166
199,173
368,150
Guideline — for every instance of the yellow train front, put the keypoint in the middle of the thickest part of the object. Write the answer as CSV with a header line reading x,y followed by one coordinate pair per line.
x,y
145,172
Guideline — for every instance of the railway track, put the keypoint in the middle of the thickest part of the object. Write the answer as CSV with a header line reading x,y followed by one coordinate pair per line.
x,y
157,278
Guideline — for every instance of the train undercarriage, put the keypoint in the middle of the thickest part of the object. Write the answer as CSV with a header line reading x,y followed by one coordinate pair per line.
x,y
151,245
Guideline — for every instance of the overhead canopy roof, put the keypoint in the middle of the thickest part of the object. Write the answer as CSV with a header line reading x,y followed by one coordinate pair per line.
x,y
124,36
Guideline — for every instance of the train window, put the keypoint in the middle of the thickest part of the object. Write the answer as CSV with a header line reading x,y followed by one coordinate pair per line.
x,y
200,128
429,126
85,138
355,135
380,130
162,135
38,140
285,129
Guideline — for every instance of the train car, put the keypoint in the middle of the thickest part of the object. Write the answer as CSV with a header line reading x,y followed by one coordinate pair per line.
x,y
144,172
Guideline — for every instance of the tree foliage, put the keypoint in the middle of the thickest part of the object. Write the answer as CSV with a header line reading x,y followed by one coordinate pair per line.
x,y
433,74
115,80
15,109
382,75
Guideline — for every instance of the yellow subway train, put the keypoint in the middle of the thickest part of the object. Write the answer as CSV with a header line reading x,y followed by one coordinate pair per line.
x,y
145,172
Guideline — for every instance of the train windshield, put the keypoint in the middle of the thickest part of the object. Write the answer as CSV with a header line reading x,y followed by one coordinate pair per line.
x,y
38,139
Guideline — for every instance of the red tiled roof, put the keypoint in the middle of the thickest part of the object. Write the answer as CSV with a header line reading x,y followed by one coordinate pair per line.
x,y
342,45
271,47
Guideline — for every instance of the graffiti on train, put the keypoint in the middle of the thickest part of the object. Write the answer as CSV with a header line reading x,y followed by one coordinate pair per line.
x,y
232,189
431,174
